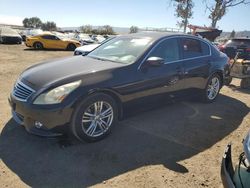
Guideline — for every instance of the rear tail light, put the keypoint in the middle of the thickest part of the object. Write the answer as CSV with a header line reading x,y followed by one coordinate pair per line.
x,y
221,47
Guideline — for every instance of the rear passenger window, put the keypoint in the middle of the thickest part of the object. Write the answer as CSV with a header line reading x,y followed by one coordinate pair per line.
x,y
194,48
46,37
50,37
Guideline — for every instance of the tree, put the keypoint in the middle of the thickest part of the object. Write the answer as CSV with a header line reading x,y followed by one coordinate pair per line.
x,y
134,29
184,11
107,30
219,8
86,29
49,26
33,22
232,35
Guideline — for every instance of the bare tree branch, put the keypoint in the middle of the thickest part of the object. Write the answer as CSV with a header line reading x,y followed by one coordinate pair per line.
x,y
220,7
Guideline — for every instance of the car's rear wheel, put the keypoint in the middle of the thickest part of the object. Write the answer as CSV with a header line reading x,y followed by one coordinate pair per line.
x,y
71,47
211,92
38,45
94,118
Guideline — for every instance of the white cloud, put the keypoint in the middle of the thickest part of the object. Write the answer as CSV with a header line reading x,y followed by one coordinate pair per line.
x,y
11,20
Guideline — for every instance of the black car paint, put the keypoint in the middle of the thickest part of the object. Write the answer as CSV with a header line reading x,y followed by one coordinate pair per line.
x,y
123,82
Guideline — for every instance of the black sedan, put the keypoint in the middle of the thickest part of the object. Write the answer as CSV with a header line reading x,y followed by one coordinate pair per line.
x,y
87,94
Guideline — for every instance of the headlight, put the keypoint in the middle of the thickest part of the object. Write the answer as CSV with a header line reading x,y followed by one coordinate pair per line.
x,y
57,95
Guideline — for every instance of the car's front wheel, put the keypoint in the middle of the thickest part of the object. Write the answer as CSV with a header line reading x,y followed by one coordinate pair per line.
x,y
211,92
94,118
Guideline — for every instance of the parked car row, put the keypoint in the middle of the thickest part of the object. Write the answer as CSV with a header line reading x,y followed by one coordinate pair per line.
x,y
85,49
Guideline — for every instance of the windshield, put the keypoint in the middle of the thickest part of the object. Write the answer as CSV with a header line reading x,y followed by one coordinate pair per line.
x,y
122,49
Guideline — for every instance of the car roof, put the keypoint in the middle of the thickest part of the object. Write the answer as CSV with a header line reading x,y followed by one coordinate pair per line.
x,y
158,35
45,33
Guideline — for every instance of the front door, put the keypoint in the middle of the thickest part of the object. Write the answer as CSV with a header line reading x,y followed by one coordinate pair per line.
x,y
165,78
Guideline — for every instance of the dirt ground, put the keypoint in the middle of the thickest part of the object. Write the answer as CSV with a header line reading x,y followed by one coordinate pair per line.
x,y
175,145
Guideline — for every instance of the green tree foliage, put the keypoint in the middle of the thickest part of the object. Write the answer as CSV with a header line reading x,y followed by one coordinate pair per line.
x,y
134,29
49,26
218,8
232,35
104,30
33,22
86,29
184,11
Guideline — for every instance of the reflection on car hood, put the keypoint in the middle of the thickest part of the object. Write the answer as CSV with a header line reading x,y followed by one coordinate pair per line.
x,y
44,74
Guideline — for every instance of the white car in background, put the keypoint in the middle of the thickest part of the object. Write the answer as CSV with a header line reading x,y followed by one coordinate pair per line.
x,y
85,49
84,38
99,38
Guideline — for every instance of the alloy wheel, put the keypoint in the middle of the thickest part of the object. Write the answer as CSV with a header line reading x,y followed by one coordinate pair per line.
x,y
97,118
213,88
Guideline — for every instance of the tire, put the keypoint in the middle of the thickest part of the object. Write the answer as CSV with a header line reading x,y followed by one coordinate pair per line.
x,y
245,83
71,47
89,122
213,86
38,46
228,81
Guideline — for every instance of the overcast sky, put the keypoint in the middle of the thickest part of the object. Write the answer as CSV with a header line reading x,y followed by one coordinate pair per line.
x,y
119,13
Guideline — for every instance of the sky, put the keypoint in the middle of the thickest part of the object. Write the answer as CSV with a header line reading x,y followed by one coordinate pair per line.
x,y
117,13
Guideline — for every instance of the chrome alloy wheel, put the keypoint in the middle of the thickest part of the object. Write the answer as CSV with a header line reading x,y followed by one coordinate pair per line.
x,y
213,88
97,118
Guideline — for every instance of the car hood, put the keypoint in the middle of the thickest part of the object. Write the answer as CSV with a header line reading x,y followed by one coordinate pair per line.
x,y
45,74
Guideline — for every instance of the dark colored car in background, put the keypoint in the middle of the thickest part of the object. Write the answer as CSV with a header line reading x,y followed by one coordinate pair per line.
x,y
86,94
9,36
230,47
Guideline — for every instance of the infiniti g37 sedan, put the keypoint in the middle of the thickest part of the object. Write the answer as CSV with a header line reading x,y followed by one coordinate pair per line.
x,y
86,94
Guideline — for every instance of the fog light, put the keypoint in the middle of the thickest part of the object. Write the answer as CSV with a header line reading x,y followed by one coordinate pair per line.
x,y
38,124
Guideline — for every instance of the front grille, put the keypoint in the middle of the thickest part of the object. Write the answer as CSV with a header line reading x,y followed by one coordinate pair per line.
x,y
21,91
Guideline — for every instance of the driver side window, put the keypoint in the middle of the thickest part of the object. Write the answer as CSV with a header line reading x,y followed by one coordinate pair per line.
x,y
167,50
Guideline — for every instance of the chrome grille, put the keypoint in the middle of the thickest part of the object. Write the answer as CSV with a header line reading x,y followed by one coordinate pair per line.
x,y
22,91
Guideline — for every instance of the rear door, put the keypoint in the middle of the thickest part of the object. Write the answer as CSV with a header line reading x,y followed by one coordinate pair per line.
x,y
196,55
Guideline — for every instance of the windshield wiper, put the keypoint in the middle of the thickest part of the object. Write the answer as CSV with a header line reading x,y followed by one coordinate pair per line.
x,y
103,59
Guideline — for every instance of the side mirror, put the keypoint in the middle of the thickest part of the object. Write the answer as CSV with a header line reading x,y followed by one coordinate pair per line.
x,y
155,61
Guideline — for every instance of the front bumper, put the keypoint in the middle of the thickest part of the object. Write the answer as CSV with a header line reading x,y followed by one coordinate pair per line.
x,y
27,44
227,171
54,120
